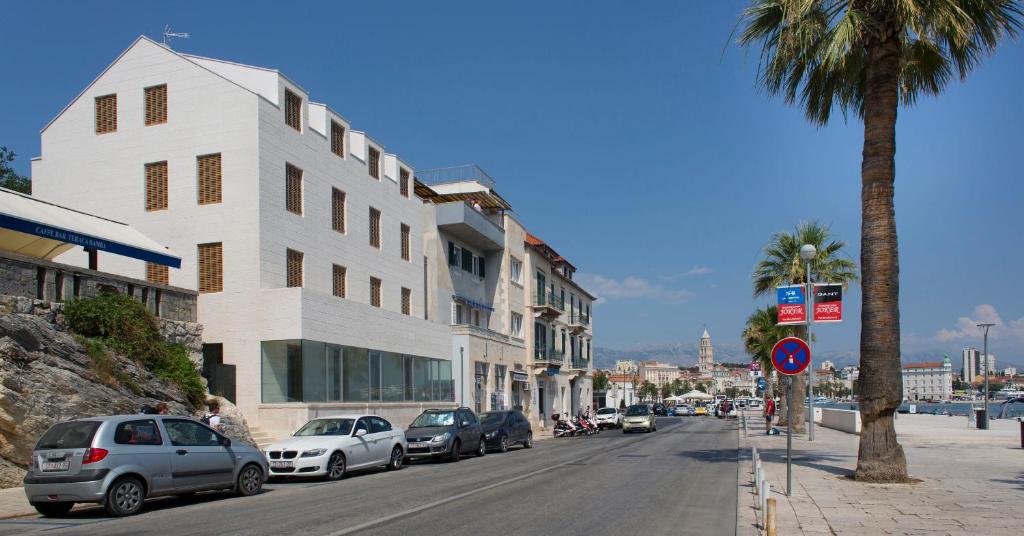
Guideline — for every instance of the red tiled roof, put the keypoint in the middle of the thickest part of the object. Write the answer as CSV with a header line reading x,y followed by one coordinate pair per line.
x,y
934,364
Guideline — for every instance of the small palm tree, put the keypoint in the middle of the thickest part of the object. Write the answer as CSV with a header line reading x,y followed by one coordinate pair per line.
x,y
865,57
782,265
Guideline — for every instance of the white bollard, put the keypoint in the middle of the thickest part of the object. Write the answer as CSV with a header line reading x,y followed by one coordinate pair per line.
x,y
766,490
759,480
753,461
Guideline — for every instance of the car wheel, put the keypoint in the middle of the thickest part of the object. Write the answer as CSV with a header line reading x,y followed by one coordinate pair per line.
x,y
503,444
453,456
528,444
625,431
125,497
397,456
481,449
54,509
336,466
250,481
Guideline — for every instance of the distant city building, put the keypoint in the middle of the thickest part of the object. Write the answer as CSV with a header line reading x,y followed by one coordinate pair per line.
x,y
928,381
625,366
706,357
658,373
991,365
1010,371
849,376
828,365
621,387
969,368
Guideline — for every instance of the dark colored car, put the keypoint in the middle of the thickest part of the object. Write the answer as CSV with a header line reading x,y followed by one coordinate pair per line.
x,y
660,410
446,433
503,429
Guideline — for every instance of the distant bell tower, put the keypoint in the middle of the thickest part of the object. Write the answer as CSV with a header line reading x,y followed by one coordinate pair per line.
x,y
706,359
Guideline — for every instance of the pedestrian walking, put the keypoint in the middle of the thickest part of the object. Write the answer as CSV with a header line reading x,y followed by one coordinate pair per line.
x,y
162,409
769,413
213,418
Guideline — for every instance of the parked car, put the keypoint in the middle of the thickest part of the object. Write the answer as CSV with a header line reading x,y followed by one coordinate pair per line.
x,y
503,429
119,461
660,409
447,433
683,410
331,446
608,418
639,417
700,410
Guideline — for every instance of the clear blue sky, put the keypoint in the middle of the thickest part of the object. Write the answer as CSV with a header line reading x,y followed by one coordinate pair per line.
x,y
629,135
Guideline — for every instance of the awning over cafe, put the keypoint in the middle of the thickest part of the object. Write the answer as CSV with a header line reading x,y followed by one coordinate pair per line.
x,y
35,228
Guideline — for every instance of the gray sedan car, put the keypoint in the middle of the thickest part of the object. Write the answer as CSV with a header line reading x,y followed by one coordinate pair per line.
x,y
120,461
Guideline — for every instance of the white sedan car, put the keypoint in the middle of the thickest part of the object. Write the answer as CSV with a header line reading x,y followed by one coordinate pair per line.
x,y
608,417
330,446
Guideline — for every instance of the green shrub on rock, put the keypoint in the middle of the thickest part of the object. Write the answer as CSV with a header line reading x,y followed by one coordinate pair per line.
x,y
128,328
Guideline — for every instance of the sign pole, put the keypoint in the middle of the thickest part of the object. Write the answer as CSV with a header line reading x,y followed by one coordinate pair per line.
x,y
810,369
789,439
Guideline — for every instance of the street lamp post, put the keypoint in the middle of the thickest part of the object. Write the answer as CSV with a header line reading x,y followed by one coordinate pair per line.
x,y
807,253
985,357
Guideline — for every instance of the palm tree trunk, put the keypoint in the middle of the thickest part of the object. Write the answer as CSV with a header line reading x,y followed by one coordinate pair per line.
x,y
799,391
880,457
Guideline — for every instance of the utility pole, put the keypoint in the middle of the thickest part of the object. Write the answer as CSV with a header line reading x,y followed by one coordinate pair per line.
x,y
985,357
807,253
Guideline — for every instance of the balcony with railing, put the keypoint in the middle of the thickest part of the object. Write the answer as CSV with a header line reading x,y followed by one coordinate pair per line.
x,y
548,304
579,363
579,322
470,225
548,356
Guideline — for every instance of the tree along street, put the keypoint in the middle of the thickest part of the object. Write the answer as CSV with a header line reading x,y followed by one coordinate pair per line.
x,y
680,479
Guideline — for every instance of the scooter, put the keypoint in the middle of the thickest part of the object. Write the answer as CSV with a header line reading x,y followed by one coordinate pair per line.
x,y
562,428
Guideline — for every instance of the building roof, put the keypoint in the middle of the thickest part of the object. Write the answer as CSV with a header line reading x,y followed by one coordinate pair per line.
x,y
36,228
545,249
930,364
466,183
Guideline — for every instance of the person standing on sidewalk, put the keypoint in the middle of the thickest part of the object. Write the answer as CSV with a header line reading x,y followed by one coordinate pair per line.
x,y
769,413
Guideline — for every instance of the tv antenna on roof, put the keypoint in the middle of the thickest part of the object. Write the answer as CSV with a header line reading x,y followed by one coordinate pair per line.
x,y
168,35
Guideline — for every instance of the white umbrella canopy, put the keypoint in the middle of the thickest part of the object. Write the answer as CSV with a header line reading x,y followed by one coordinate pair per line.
x,y
695,395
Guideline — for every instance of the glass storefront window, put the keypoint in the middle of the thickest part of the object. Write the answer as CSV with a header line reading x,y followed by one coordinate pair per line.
x,y
356,375
445,370
392,377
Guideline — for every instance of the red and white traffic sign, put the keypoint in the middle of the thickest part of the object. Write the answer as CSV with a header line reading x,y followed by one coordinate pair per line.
x,y
791,356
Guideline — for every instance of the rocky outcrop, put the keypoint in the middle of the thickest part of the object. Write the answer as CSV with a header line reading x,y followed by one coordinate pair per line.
x,y
47,376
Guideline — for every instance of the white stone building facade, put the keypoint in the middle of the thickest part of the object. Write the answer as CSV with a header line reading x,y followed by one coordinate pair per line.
x,y
928,381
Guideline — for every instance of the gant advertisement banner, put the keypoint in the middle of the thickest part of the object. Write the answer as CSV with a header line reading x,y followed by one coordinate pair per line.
x,y
828,302
792,304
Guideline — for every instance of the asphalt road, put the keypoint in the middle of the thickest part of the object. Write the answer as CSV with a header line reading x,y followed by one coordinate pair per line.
x,y
678,480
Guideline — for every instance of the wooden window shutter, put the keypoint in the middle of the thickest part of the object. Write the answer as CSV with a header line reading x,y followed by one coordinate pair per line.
x,y
211,267
337,139
293,110
374,227
375,285
374,163
406,254
338,210
209,179
339,281
294,268
106,114
156,186
157,273
403,182
156,104
406,301
293,189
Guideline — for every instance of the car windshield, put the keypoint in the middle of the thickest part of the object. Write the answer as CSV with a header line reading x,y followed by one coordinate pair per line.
x,y
638,410
492,418
606,411
434,418
318,427
69,435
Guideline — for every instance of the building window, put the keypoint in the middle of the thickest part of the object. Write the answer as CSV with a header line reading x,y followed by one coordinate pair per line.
x,y
467,260
479,267
211,267
106,114
406,301
406,255
294,268
156,105
340,273
209,171
453,254
337,139
338,210
403,181
375,292
516,270
293,110
374,163
374,227
293,189
157,273
156,186
517,325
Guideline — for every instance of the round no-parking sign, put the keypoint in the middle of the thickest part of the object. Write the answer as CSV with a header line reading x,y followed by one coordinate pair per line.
x,y
791,356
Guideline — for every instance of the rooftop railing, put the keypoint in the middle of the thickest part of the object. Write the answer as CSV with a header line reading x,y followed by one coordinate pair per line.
x,y
467,172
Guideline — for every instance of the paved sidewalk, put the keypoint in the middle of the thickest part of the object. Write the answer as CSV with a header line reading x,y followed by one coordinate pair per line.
x,y
14,504
972,481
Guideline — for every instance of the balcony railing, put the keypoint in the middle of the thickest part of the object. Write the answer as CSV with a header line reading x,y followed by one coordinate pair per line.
x,y
580,320
549,355
579,363
547,299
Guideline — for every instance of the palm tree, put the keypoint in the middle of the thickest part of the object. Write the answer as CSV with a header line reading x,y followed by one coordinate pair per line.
x,y
865,56
782,265
759,336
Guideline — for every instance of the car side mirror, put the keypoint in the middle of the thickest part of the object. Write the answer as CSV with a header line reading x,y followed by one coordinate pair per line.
x,y
361,432
463,424
225,442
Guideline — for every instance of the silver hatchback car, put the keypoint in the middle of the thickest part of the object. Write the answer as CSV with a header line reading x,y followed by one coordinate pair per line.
x,y
121,460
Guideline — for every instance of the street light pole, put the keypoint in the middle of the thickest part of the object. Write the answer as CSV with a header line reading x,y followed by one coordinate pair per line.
x,y
807,252
985,357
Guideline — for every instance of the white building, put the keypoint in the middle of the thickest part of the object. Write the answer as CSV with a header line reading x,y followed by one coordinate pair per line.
x,y
1010,371
302,235
828,365
928,381
621,390
658,373
627,366
970,365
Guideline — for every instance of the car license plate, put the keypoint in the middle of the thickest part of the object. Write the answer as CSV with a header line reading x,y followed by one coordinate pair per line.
x,y
417,445
56,466
281,465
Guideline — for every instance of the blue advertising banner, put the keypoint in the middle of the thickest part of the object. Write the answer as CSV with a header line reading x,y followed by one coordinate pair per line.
x,y
792,304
